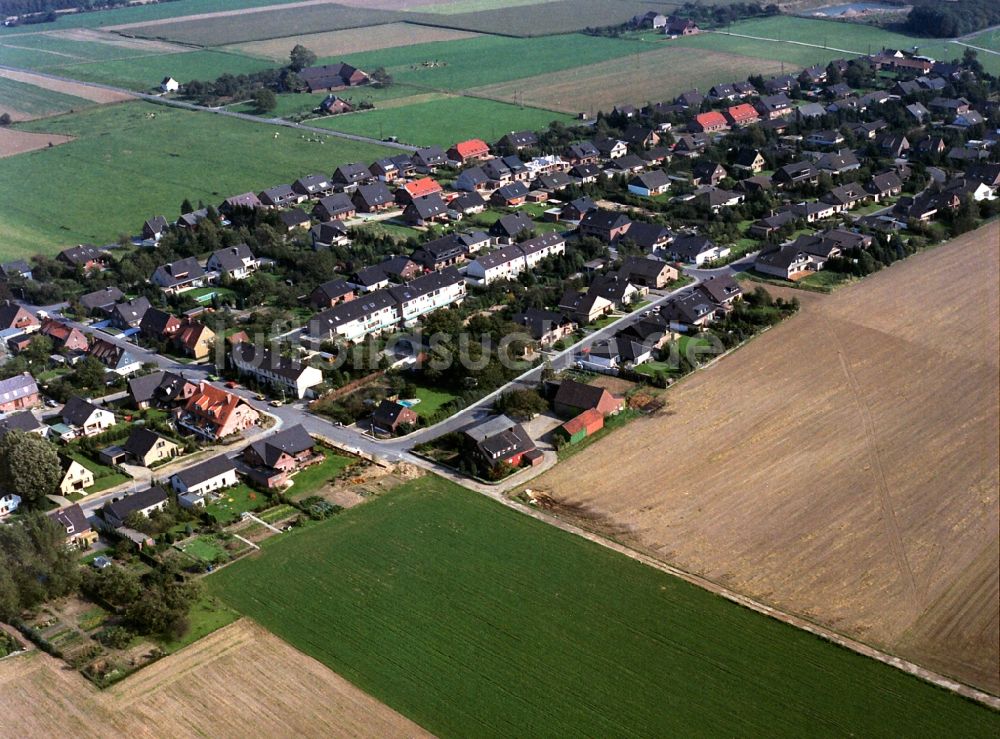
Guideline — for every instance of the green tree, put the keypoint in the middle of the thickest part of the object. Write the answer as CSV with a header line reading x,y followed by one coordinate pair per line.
x,y
265,100
300,58
29,467
90,373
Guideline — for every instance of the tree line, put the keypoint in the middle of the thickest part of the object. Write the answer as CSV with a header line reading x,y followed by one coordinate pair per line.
x,y
956,18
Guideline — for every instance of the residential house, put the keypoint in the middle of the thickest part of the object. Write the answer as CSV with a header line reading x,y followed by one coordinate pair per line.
x,y
706,172
811,211
651,273
313,186
838,162
722,92
499,440
786,261
572,398
169,84
646,236
147,447
743,114
650,19
419,188
615,288
427,294
144,502
116,358
85,257
893,145
795,174
280,196
334,207
244,201
402,268
348,176
275,458
692,310
690,99
430,158
83,418
952,106
825,137
541,247
722,290
214,413
446,251
369,279
331,293
611,148
101,301
677,26
649,184
709,122
76,478
517,140
235,262
426,210
24,421
286,374
575,210
640,137
784,83
468,203
846,196
177,277
15,318
467,151
918,112
295,218
195,339
390,416
194,483
553,182
160,390
545,327
694,249
373,197
885,185
584,307
154,228
64,337
333,233
586,173
509,227
607,226
76,528
510,195
750,160
128,314
772,107
582,152
8,504
762,228
158,324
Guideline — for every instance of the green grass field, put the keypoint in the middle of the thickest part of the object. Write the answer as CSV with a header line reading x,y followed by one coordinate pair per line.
x,y
431,400
233,503
443,122
987,40
311,479
296,103
466,63
68,50
36,101
474,620
849,37
146,72
136,160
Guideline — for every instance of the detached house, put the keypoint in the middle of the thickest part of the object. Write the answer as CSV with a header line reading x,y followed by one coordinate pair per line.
x,y
194,483
331,293
695,249
574,397
608,226
195,339
158,324
709,122
373,197
154,228
274,458
313,186
471,150
651,273
430,158
145,502
101,301
18,392
743,114
83,418
85,256
147,447
235,262
545,327
649,184
180,276
426,210
129,314
215,414
501,440
15,318
334,207
280,197
74,524
517,140
116,358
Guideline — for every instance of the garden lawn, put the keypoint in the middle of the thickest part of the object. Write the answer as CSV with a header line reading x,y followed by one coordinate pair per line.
x,y
136,160
431,400
202,548
207,615
104,477
311,479
443,122
475,620
234,502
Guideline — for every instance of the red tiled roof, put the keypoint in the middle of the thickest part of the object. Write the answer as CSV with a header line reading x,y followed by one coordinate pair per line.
x,y
584,420
422,187
712,118
213,403
743,112
471,148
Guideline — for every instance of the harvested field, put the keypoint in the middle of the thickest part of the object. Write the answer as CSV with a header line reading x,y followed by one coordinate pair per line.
x,y
846,461
353,40
14,142
655,75
269,688
87,92
113,39
24,102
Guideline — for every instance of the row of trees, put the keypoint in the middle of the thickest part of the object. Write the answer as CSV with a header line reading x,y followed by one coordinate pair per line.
x,y
35,565
949,19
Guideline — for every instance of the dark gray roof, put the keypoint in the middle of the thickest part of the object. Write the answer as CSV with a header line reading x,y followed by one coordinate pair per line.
x,y
210,468
102,298
261,357
511,225
180,272
77,411
425,284
141,440
374,194
24,421
72,519
231,258
120,509
292,440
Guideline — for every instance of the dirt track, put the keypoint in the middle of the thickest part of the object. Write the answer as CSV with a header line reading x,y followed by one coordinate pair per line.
x,y
240,681
843,467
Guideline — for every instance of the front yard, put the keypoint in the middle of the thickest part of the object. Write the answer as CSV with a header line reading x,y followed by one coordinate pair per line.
x,y
311,479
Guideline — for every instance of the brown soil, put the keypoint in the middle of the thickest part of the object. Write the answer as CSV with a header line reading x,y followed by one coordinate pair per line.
x,y
353,40
842,467
80,90
18,142
239,681
113,39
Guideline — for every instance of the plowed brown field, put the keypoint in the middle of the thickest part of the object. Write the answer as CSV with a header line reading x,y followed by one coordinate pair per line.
x,y
842,467
240,681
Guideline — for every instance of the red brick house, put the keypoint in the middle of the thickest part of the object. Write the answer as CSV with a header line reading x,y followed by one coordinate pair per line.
x,y
742,115
19,392
14,316
274,458
214,413
63,336
709,122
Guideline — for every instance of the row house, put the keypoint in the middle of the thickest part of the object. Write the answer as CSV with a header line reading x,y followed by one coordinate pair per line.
x,y
269,367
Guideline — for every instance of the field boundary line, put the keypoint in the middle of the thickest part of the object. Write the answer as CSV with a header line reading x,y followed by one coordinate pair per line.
x,y
799,622
788,41
977,48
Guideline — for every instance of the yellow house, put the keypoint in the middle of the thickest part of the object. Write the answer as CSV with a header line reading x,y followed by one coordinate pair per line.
x,y
76,478
148,447
196,339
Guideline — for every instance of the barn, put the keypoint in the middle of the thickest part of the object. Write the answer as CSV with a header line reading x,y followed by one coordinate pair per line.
x,y
580,427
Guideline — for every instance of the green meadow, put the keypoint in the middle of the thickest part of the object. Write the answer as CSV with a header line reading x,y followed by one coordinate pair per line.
x,y
475,620
135,160
443,122
36,101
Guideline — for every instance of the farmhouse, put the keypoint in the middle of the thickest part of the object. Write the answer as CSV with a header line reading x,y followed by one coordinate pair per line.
x,y
677,26
332,77
269,367
573,397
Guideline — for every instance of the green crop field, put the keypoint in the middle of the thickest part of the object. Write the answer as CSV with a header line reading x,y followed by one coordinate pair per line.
x,y
136,160
67,50
297,103
987,40
36,101
443,122
785,34
474,620
463,64
145,72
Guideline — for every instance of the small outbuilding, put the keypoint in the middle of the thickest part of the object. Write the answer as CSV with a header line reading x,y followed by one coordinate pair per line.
x,y
580,427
